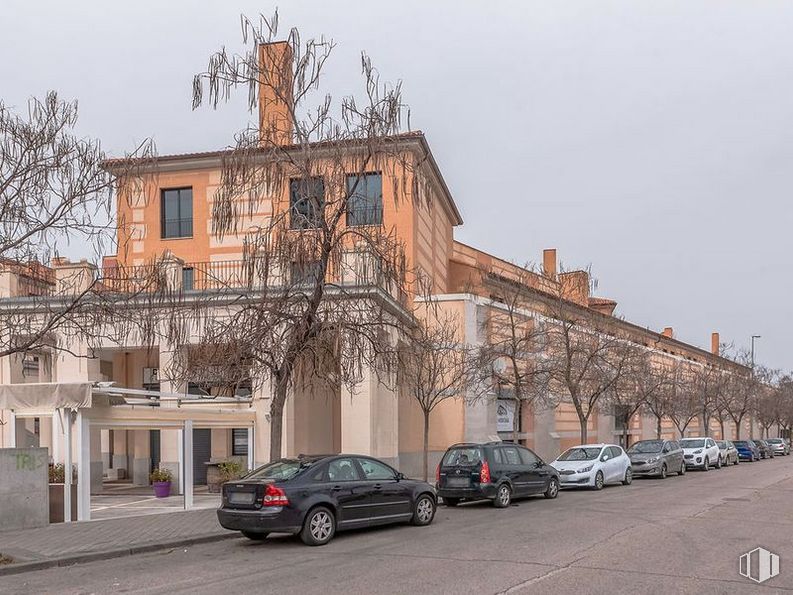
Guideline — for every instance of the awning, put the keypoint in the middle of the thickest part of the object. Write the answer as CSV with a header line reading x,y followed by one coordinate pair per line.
x,y
46,395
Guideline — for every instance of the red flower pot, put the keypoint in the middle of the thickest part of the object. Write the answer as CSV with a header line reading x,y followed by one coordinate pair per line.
x,y
162,489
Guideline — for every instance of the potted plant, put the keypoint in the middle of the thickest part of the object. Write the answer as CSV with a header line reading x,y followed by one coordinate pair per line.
x,y
223,471
57,489
161,482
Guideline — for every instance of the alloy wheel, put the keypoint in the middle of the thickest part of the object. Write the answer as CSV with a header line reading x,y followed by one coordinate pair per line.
x,y
599,480
628,477
663,471
504,496
321,526
425,510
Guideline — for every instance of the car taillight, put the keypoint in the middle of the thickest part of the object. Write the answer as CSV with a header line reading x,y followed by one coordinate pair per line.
x,y
484,474
274,496
438,473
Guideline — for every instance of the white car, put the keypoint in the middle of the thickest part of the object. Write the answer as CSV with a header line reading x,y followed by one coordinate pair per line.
x,y
593,465
700,453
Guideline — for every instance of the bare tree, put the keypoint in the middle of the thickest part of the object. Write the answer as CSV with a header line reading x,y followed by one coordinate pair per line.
x,y
327,274
434,366
54,192
585,360
740,393
513,359
684,403
767,406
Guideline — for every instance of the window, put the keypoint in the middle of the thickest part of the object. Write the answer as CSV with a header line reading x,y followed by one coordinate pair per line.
x,y
239,442
528,457
343,470
510,454
615,452
176,217
306,201
497,456
187,279
376,470
365,203
470,455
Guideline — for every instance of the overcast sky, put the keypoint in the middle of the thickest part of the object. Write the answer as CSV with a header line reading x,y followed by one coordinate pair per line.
x,y
650,140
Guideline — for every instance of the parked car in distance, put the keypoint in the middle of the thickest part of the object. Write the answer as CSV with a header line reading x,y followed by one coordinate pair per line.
x,y
701,453
593,465
656,457
315,496
765,450
727,452
779,446
747,450
497,471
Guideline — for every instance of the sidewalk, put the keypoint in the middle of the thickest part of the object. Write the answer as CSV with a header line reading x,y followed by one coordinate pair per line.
x,y
64,544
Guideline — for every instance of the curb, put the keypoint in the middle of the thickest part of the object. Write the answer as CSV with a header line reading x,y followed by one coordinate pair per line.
x,y
22,567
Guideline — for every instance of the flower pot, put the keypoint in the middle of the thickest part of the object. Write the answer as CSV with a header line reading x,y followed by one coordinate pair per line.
x,y
56,502
162,489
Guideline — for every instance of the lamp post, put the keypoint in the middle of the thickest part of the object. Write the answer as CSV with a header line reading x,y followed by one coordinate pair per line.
x,y
753,338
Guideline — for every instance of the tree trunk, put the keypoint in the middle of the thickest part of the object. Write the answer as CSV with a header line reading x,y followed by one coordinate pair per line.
x,y
721,423
658,428
582,422
277,419
426,444
516,413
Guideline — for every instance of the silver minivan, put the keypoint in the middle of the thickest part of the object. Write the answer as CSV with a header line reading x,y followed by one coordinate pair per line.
x,y
657,458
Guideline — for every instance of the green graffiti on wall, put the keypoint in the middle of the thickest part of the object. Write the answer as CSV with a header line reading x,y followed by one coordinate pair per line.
x,y
31,462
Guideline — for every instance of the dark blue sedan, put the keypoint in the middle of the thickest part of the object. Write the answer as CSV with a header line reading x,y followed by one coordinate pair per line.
x,y
747,450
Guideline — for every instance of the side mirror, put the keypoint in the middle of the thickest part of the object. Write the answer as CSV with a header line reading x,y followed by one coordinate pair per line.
x,y
400,476
604,458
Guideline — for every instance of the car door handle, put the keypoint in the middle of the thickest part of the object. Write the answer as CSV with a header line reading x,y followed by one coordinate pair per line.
x,y
336,489
377,486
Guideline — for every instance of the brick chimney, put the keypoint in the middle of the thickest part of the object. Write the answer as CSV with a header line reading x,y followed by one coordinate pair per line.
x,y
714,343
549,263
669,332
275,93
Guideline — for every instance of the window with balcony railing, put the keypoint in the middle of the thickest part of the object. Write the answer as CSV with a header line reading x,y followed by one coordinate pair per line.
x,y
306,202
176,213
365,203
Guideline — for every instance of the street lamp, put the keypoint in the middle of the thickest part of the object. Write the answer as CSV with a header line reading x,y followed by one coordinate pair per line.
x,y
753,338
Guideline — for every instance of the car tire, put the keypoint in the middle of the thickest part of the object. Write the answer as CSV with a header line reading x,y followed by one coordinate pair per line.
x,y
319,526
682,468
628,477
253,536
451,502
598,481
718,463
706,464
663,471
423,511
553,489
736,461
503,496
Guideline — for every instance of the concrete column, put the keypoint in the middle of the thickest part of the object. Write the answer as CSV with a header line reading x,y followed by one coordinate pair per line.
x,y
104,436
84,465
171,440
97,467
187,464
57,438
66,418
546,438
45,433
141,458
370,420
120,452
261,406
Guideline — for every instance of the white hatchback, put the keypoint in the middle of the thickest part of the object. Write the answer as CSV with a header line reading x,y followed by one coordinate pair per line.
x,y
593,465
701,453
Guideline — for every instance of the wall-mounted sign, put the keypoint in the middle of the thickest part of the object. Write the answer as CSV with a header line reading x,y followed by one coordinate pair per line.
x,y
505,415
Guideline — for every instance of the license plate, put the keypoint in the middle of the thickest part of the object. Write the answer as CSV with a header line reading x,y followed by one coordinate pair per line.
x,y
458,482
241,497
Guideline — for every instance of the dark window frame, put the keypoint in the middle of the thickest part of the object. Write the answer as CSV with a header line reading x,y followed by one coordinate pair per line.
x,y
184,225
306,206
235,452
371,211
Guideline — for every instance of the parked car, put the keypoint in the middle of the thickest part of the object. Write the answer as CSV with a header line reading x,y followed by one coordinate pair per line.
x,y
656,457
779,446
593,465
747,450
497,471
701,453
765,450
315,496
727,452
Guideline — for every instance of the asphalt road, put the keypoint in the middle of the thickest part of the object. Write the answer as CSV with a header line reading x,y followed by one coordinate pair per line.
x,y
678,535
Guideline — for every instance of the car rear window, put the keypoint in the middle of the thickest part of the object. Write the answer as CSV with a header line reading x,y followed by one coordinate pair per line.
x,y
468,455
280,470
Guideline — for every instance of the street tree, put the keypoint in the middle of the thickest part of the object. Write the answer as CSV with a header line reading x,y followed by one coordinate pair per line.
x,y
323,275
